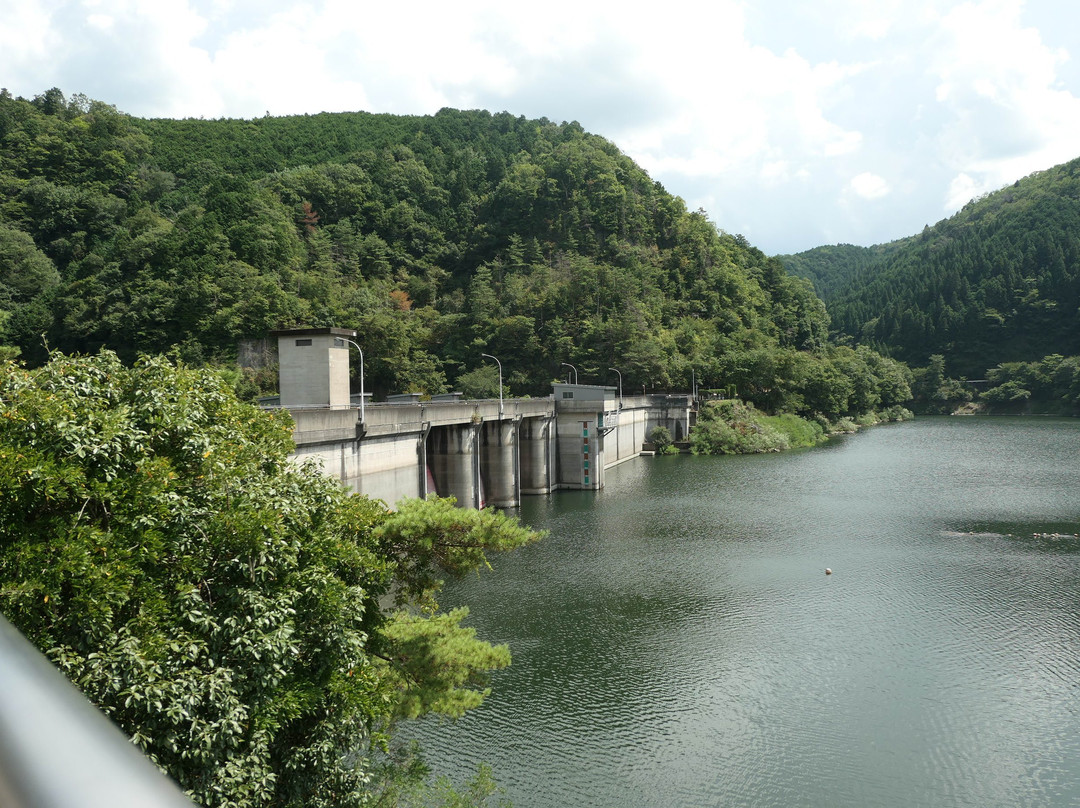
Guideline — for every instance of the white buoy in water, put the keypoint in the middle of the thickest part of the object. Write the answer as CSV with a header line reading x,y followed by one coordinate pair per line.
x,y
828,571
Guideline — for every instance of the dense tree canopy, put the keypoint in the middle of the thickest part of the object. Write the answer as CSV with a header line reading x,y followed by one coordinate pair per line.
x,y
1050,385
228,608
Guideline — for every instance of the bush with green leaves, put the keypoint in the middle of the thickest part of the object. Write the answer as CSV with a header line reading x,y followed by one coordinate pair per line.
x,y
481,382
800,432
219,602
734,427
660,438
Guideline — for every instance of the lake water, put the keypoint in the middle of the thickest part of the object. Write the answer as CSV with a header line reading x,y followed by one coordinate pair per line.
x,y
676,641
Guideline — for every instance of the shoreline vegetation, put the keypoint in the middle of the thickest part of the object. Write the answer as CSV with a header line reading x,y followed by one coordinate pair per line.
x,y
733,426
1047,386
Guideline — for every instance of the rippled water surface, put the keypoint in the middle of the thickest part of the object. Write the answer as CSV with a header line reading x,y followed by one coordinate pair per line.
x,y
677,643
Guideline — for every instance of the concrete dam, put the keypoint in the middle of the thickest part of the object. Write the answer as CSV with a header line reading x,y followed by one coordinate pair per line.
x,y
483,452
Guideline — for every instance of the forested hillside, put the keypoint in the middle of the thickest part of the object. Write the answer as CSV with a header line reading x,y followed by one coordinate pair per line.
x,y
999,282
438,237
830,268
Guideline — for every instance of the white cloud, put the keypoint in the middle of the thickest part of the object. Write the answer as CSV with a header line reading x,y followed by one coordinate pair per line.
x,y
869,186
998,82
103,22
26,38
962,189
874,29
775,171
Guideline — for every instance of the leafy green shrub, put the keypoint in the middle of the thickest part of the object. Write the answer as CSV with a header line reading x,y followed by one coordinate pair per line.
x,y
482,382
800,432
897,413
733,427
660,437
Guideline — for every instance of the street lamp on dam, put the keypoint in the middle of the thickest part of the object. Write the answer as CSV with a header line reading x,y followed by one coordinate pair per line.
x,y
620,386
497,362
567,364
361,350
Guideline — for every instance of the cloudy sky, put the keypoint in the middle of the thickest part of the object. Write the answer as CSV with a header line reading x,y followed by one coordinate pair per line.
x,y
795,123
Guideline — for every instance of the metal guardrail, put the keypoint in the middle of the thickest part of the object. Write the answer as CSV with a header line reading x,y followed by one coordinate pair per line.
x,y
58,751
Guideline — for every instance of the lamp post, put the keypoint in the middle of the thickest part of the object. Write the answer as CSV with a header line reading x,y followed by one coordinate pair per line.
x,y
497,362
620,386
567,364
361,350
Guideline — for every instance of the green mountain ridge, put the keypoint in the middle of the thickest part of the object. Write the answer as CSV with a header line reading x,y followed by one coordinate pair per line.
x,y
998,282
437,237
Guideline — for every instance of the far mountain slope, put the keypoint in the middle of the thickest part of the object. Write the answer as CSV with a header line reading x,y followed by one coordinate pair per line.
x,y
831,267
997,282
